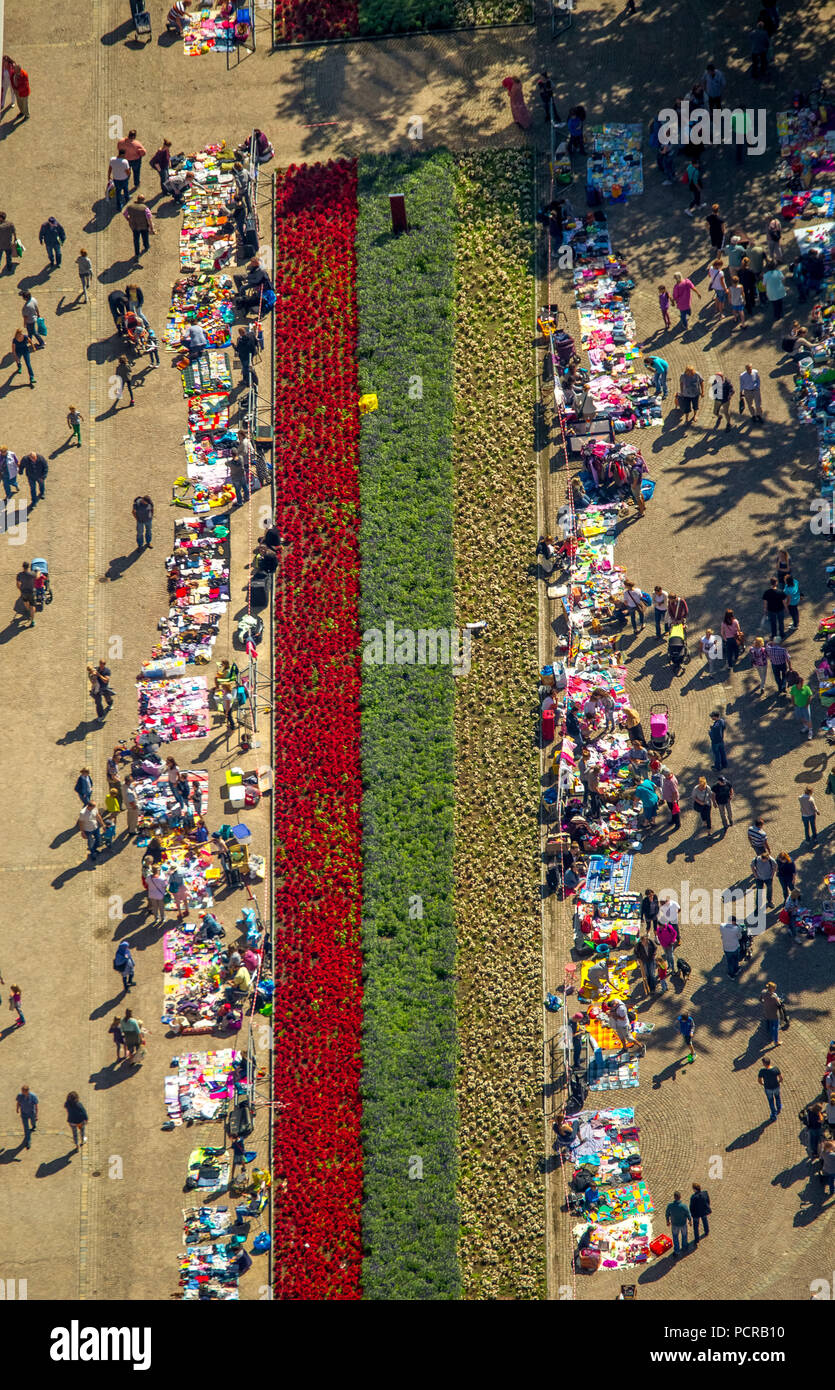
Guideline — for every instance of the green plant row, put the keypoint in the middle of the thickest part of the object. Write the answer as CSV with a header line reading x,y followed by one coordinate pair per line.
x,y
405,292
497,784
406,16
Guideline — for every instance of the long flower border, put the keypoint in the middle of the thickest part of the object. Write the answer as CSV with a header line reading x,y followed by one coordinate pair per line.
x,y
318,997
303,21
497,774
405,295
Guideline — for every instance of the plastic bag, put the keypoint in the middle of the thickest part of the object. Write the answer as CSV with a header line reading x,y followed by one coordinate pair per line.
x,y
19,248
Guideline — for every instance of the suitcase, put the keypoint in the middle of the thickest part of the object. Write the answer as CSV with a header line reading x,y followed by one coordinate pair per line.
x,y
661,1245
259,592
548,724
590,1260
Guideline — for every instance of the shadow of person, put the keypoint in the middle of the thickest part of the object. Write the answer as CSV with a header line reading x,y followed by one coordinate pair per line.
x,y
79,733
47,1170
750,1136
11,1155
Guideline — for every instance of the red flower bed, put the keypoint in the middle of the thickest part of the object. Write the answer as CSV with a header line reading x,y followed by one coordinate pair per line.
x,y
318,996
315,19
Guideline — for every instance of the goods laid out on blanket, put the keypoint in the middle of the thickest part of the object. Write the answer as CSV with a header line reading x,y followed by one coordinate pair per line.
x,y
618,1246
807,145
192,860
207,233
618,384
812,202
615,166
174,710
157,803
210,1271
216,29
199,994
815,379
202,1085
204,299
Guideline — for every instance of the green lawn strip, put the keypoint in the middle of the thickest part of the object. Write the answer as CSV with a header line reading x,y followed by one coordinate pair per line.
x,y
497,774
407,16
405,296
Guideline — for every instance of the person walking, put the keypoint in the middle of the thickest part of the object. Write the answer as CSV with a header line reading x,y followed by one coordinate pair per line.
x,y
769,1077
634,603
105,676
239,478
174,777
694,184
157,888
764,869
131,805
712,650
801,697
84,786
730,933
786,873
8,243
141,222
774,608
160,161
143,515
714,84
749,392
21,352
664,305
748,281
26,1105
124,375
645,950
85,272
649,909
716,733
545,88
814,1129
809,816
52,236
74,421
36,469
118,173
736,300
683,291
667,934
131,150
677,1217
687,1027
759,660
691,389
15,1004
671,796
772,1006
90,825
115,1031
723,795
780,664
31,317
660,599
718,284
246,347
759,43
699,1211
77,1118
721,393
791,593
828,1166
716,230
703,802
659,367
132,1031
22,91
757,837
731,634
775,290
773,237
124,962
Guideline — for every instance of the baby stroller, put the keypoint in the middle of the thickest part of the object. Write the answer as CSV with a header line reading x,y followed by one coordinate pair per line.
x,y
660,738
43,588
745,947
564,348
677,647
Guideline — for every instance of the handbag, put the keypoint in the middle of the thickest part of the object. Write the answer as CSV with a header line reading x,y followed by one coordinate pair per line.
x,y
675,809
40,326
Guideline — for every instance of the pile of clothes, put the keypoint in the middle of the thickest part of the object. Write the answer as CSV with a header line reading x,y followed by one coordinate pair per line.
x,y
615,166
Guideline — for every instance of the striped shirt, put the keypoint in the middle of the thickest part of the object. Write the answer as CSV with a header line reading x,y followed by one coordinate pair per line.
x,y
757,838
759,655
777,655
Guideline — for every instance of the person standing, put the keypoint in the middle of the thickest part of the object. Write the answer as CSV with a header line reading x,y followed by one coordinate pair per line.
x,y
699,1211
801,697
773,237
76,1118
694,184
131,805
85,272
131,150
769,1077
90,824
132,1029
115,1031
668,938
749,392
27,1108
645,950
246,347
691,389
736,299
660,599
36,468
721,393
74,421
21,352
671,796
8,243
22,91
140,220
84,786
714,85
730,933
31,315
105,674
786,873
157,888
814,1129
683,290
124,375
545,88
143,515
716,230
634,602
677,1216
809,816
52,236
118,173
759,660
660,367
764,869
759,44
716,734
828,1166
15,1002
124,962
712,650
723,795
664,305
780,664
703,802
791,591
618,1019
748,281
772,1008
775,290
719,286
757,838
774,608
649,909
161,162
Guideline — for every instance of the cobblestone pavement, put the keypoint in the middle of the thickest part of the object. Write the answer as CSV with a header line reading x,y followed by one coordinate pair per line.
x,y
68,1228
